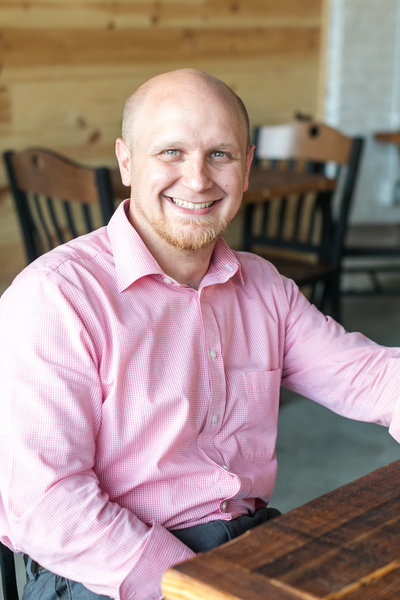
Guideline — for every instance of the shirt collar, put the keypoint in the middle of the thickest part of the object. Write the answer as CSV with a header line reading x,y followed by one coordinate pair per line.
x,y
134,261
224,265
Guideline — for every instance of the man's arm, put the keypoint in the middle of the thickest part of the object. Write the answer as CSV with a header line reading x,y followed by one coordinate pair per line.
x,y
346,372
54,509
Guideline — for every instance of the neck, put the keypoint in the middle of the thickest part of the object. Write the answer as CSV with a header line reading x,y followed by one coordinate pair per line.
x,y
185,266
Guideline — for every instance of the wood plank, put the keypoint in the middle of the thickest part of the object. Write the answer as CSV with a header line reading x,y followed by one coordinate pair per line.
x,y
12,257
389,137
382,585
31,14
68,103
5,105
346,550
216,580
55,47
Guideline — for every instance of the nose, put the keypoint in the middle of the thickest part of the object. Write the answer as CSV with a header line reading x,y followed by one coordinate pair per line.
x,y
196,175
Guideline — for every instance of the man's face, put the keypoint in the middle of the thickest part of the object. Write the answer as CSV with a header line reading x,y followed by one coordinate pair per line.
x,y
188,165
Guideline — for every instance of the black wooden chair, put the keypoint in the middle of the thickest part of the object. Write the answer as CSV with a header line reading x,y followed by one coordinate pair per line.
x,y
8,574
56,199
303,235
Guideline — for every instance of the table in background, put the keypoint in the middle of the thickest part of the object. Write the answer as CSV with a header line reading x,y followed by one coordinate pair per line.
x,y
344,545
267,183
390,137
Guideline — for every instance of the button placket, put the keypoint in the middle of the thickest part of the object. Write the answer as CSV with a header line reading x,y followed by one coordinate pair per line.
x,y
216,372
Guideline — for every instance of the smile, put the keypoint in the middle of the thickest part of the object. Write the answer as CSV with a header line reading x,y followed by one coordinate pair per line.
x,y
191,205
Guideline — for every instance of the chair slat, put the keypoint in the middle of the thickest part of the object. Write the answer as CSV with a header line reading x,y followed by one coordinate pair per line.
x,y
42,221
54,221
87,217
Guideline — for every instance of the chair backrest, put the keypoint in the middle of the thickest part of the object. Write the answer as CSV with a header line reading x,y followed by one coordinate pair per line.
x,y
311,224
8,574
308,140
56,199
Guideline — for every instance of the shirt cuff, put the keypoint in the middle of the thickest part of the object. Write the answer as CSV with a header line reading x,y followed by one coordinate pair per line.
x,y
161,550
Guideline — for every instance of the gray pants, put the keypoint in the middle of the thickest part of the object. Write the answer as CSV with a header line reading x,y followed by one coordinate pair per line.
x,y
44,585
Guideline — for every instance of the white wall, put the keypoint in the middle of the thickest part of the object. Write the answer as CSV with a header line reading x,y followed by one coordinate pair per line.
x,y
362,95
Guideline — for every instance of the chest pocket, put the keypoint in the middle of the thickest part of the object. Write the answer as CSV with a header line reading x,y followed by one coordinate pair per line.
x,y
259,405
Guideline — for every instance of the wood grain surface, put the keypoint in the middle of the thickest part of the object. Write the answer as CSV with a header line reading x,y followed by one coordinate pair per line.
x,y
344,545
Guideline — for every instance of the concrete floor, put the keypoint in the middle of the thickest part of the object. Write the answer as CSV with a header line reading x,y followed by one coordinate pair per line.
x,y
318,450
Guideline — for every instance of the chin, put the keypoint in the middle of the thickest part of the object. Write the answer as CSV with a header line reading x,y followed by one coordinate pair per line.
x,y
196,239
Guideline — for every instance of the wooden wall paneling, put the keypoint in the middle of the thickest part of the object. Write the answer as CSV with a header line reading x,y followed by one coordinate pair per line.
x,y
163,13
12,257
67,66
24,50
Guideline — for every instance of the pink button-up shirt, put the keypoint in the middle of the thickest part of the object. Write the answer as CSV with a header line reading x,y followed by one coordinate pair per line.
x,y
132,404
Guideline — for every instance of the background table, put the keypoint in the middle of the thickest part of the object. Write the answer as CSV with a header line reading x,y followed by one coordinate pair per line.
x,y
267,183
344,545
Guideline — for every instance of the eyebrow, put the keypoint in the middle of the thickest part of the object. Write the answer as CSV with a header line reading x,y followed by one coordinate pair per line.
x,y
175,143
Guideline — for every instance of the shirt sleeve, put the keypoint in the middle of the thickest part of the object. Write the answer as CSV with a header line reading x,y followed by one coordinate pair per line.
x,y
344,371
52,507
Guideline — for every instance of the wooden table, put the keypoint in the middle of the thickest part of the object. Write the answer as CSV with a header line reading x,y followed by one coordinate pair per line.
x,y
390,137
344,545
263,185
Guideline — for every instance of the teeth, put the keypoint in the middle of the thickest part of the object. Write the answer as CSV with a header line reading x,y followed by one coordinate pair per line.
x,y
191,205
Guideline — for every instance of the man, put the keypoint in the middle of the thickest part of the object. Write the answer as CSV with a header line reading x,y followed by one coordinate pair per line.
x,y
142,363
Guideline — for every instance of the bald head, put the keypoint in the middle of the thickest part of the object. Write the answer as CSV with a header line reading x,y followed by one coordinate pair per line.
x,y
170,82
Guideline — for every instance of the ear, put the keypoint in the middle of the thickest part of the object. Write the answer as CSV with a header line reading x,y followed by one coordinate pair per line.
x,y
124,161
249,160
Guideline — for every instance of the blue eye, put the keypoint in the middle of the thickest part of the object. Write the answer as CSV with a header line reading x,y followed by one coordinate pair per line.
x,y
172,152
220,155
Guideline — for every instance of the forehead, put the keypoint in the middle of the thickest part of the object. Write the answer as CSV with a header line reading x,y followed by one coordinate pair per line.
x,y
195,111
175,87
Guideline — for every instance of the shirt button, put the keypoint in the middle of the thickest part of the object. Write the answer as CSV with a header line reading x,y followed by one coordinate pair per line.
x,y
214,419
213,354
226,467
167,280
224,506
